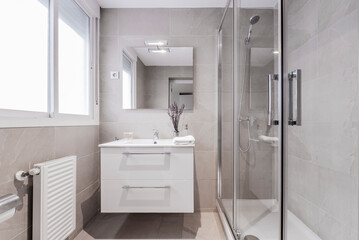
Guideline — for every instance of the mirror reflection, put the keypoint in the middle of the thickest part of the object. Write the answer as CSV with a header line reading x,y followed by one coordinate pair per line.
x,y
155,76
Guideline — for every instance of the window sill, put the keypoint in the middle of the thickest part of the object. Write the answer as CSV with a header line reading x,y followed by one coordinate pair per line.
x,y
21,119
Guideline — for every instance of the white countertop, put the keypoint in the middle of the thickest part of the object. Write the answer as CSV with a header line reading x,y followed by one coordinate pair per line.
x,y
142,143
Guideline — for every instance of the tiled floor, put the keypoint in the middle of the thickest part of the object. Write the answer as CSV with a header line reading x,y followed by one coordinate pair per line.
x,y
199,226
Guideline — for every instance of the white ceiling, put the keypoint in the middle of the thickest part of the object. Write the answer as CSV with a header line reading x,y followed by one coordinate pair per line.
x,y
178,56
183,3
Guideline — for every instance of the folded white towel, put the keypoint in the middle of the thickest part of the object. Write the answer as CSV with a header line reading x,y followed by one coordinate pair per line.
x,y
184,140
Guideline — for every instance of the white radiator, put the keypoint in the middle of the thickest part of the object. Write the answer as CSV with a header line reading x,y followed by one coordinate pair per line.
x,y
54,201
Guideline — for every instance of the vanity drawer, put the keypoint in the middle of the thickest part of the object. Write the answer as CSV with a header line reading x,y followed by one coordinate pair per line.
x,y
147,163
144,196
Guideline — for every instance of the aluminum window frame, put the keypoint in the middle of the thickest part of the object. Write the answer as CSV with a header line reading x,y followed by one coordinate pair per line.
x,y
10,118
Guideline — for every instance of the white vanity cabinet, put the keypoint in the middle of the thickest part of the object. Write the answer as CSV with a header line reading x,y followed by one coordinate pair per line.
x,y
146,177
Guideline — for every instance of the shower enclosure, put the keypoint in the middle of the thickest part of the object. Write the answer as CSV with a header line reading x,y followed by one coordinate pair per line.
x,y
288,119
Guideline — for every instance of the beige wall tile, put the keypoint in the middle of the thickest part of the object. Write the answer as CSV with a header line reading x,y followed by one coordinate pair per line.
x,y
22,147
144,21
87,171
79,141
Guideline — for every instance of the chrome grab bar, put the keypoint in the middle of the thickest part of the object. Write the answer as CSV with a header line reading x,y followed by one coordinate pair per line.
x,y
8,202
128,187
138,153
295,120
271,77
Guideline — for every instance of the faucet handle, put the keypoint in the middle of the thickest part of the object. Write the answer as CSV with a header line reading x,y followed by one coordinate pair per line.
x,y
155,131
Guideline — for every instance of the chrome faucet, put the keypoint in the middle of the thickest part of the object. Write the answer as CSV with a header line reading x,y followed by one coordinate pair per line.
x,y
156,136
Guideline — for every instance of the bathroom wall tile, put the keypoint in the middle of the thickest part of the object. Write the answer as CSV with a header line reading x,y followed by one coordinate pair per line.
x,y
303,23
331,11
144,21
335,190
205,79
109,22
79,141
25,235
304,179
20,148
298,148
205,106
304,210
87,205
227,136
87,171
205,50
227,50
333,148
108,132
109,50
105,73
205,133
227,27
195,21
110,86
227,78
354,224
293,6
305,57
334,58
205,195
110,103
205,165
332,229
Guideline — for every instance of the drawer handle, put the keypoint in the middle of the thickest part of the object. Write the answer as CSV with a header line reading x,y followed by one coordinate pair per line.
x,y
132,153
128,187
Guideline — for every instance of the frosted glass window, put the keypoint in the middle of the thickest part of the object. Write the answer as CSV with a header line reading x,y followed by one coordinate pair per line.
x,y
74,51
127,83
24,45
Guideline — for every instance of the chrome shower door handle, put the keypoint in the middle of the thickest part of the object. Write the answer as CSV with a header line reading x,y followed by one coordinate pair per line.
x,y
271,77
295,98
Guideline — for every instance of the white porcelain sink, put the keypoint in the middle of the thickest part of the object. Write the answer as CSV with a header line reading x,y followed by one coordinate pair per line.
x,y
143,143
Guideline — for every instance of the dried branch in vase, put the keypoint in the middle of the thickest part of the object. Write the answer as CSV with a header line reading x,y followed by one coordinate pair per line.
x,y
175,114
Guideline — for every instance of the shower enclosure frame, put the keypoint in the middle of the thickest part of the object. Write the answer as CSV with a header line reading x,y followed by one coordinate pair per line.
x,y
219,74
282,158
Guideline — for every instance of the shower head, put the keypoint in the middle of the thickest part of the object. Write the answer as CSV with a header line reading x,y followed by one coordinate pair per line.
x,y
253,20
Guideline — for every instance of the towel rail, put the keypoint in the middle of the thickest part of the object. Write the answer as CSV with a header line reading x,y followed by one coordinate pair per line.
x,y
9,201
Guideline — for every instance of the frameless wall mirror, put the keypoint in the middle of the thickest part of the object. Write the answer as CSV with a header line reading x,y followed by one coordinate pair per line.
x,y
155,76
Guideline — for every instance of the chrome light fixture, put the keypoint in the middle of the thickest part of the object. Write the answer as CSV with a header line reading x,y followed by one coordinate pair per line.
x,y
157,46
154,43
159,50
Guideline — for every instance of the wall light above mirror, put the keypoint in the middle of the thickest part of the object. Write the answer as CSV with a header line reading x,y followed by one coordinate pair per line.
x,y
152,43
154,76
